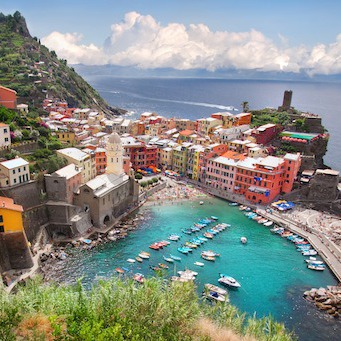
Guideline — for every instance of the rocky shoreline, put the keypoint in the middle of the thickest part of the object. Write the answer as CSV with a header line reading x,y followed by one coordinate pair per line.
x,y
327,299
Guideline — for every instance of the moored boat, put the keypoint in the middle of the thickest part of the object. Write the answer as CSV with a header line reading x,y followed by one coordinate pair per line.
x,y
209,258
183,250
214,217
175,257
229,281
310,252
130,260
212,287
208,235
168,259
268,223
155,246
210,253
212,295
139,259
315,266
174,237
199,264
163,266
144,255
139,278
119,270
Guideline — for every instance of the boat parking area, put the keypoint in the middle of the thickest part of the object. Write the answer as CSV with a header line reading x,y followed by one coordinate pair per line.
x,y
329,251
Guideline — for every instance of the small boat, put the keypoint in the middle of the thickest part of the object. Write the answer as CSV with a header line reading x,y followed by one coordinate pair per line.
x,y
119,270
212,287
163,266
155,246
209,258
311,252
175,257
201,202
317,267
168,259
144,255
199,264
187,231
210,253
233,204
130,260
312,260
191,245
164,242
212,231
262,221
183,250
125,269
243,240
155,268
139,278
229,281
174,237
268,223
208,235
203,239
214,217
212,295
139,259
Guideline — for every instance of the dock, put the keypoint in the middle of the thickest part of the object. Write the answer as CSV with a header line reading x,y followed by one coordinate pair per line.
x,y
329,252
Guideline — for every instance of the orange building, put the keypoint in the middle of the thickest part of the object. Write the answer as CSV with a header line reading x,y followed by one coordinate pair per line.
x,y
242,118
100,158
8,97
261,180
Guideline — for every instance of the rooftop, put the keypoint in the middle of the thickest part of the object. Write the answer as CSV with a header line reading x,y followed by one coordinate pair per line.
x,y
270,162
9,204
104,183
14,163
328,172
74,153
68,171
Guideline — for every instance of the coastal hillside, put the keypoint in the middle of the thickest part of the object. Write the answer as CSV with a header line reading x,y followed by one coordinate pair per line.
x,y
33,71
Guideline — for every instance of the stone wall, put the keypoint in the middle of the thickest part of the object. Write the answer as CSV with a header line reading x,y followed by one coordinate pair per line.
x,y
323,187
26,147
18,252
4,259
26,194
33,219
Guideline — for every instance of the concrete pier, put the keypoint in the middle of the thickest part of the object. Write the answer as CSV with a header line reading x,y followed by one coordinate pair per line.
x,y
329,252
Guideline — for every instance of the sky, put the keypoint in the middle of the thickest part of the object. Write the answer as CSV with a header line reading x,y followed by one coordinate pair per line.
x,y
265,35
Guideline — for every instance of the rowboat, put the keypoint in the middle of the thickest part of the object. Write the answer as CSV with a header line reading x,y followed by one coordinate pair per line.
x,y
210,253
199,264
130,260
119,270
168,259
209,258
139,278
212,287
144,255
175,257
208,235
139,259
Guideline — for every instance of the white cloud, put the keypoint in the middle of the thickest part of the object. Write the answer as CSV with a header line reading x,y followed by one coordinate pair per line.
x,y
139,40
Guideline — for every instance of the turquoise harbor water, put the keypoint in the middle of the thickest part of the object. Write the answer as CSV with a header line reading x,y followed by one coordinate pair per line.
x,y
272,273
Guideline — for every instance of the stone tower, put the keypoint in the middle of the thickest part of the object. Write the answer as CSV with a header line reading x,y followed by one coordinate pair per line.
x,y
114,155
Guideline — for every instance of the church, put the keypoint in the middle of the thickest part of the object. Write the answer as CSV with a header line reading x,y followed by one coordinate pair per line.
x,y
109,195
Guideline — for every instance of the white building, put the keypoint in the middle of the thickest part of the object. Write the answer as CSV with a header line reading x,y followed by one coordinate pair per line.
x,y
14,172
5,137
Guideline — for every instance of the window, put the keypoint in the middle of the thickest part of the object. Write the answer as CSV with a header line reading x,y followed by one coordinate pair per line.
x,y
1,219
5,130
13,171
2,229
15,181
6,139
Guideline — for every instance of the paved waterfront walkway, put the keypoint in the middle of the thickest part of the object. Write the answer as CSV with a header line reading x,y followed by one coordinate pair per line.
x,y
27,273
332,258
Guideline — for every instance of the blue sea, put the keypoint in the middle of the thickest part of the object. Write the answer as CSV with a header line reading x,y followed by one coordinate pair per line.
x,y
195,98
273,275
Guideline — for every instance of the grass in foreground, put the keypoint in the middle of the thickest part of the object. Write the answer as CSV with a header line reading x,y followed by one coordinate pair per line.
x,y
122,310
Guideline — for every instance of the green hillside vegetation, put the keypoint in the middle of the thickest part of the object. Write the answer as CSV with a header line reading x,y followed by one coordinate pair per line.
x,y
33,71
32,128
122,310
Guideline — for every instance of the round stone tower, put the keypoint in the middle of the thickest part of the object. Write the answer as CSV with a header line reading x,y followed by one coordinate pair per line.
x,y
114,155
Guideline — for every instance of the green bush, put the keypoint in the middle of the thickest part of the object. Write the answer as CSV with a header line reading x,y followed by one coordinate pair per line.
x,y
138,176
123,310
143,184
155,180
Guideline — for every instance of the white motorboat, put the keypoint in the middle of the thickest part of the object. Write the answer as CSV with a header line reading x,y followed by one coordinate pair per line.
x,y
268,223
187,272
317,267
174,237
199,264
210,253
310,252
229,281
130,260
243,240
314,260
144,255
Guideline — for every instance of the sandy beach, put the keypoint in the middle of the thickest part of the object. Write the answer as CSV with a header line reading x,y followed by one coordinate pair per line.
x,y
175,192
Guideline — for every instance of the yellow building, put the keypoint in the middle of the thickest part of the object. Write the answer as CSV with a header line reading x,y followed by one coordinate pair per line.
x,y
165,157
180,158
196,160
206,125
10,216
66,136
